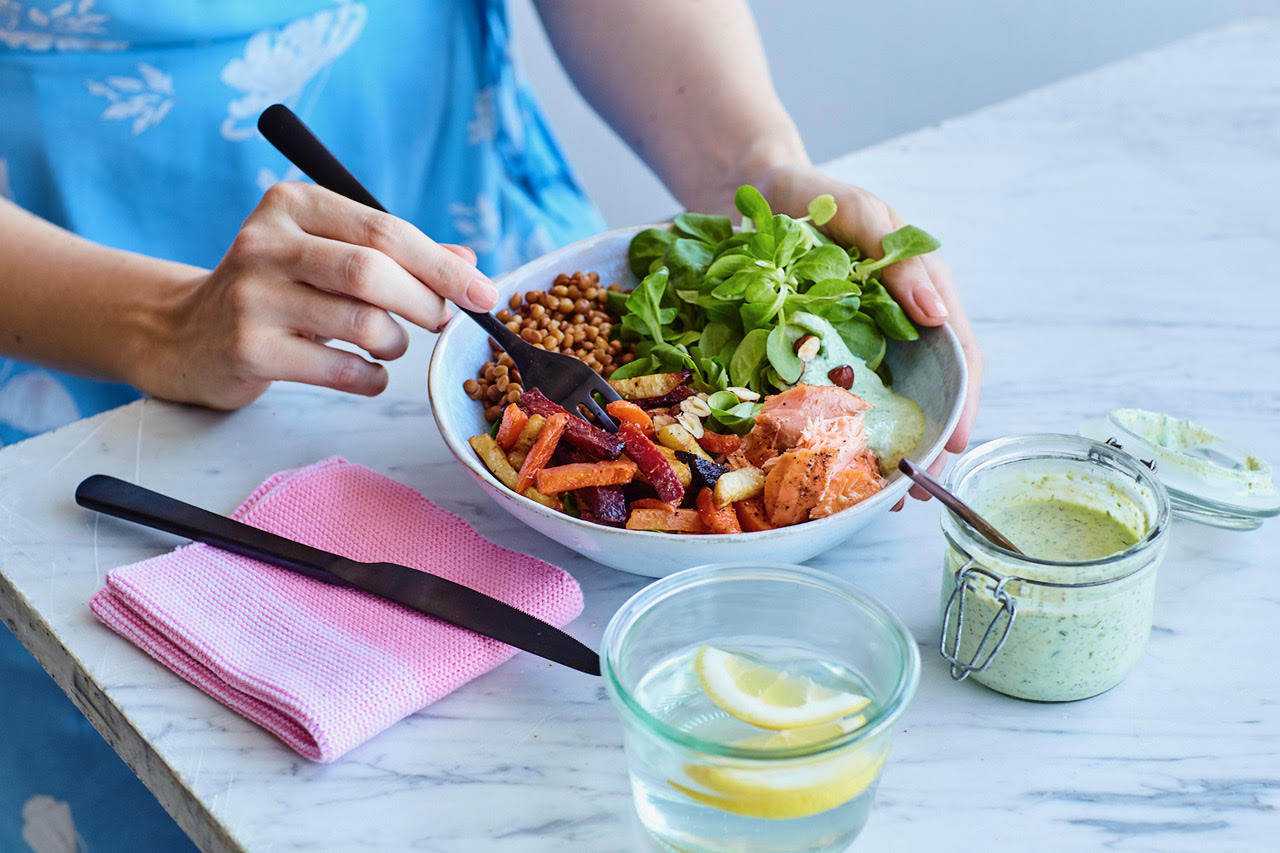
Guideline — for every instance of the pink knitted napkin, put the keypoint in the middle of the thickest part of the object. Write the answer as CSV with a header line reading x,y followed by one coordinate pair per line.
x,y
325,668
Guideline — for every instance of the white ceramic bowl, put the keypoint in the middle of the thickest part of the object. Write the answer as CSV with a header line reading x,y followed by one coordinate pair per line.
x,y
930,371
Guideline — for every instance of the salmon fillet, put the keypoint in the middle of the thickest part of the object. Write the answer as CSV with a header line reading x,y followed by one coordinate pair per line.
x,y
809,440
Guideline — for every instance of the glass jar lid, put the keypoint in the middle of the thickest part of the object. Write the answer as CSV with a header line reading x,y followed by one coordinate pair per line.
x,y
1209,479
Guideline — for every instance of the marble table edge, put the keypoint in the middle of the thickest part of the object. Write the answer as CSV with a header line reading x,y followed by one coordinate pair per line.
x,y
164,783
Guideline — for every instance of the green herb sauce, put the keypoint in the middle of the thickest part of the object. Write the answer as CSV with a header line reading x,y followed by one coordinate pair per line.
x,y
1052,529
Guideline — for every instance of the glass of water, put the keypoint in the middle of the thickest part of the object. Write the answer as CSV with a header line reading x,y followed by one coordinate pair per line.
x,y
758,703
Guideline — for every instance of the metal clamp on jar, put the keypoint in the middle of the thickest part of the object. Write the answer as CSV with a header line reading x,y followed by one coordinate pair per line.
x,y
1050,629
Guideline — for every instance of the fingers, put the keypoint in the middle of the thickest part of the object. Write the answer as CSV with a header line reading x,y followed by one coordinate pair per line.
x,y
448,274
910,283
329,316
369,276
301,360
934,470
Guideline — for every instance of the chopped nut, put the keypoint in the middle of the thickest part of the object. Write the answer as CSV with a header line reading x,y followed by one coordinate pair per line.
x,y
746,395
696,406
660,421
807,347
691,423
842,376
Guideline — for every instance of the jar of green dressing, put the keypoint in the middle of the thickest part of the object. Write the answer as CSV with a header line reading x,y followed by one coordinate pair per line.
x,y
1069,617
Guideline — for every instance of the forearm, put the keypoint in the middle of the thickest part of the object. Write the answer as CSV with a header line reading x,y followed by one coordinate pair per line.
x,y
686,85
77,306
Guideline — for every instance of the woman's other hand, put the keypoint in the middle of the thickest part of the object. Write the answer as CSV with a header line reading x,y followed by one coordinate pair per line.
x,y
922,285
307,266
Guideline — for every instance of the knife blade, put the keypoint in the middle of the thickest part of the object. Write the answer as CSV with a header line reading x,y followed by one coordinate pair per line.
x,y
424,592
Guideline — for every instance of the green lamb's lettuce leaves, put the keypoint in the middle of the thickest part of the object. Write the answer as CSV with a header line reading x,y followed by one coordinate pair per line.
x,y
822,209
907,242
646,247
720,302
752,205
782,356
861,335
822,262
716,338
887,313
687,260
645,302
709,229
747,357
737,419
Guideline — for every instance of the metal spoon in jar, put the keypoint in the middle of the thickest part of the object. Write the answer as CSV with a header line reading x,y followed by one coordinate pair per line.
x,y
956,505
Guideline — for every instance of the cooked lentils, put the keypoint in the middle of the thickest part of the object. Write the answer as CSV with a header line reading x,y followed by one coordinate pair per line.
x,y
571,318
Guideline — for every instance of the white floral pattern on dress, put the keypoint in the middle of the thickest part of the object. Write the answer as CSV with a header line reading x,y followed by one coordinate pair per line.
x,y
34,401
67,26
47,826
6,191
279,63
146,98
481,127
480,225
268,178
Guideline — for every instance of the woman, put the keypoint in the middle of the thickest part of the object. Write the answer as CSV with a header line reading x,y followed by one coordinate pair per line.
x,y
127,266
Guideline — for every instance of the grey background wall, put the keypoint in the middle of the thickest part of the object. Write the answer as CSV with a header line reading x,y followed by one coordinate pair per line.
x,y
854,72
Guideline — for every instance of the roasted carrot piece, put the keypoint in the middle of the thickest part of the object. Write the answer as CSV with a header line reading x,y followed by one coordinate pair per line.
x,y
652,503
542,449
628,412
679,521
579,475
751,514
714,442
717,519
513,420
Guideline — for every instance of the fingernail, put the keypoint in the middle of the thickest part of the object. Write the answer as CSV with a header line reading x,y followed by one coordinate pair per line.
x,y
930,303
482,294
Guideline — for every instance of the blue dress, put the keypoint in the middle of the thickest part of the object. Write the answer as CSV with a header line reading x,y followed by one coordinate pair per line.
x,y
132,123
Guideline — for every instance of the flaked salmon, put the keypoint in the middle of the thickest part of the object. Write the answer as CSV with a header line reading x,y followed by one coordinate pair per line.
x,y
810,442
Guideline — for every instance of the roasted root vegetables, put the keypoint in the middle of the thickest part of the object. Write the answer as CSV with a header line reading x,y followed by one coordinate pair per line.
x,y
513,420
580,475
652,385
665,471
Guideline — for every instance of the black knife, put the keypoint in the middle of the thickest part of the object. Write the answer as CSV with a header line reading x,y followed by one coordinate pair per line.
x,y
421,591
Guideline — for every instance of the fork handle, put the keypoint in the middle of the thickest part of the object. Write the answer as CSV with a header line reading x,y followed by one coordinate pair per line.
x,y
292,138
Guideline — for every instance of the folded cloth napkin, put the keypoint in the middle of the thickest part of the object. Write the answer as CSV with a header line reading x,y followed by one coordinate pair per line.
x,y
323,667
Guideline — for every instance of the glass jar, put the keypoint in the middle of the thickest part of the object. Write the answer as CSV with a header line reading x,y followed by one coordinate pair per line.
x,y
1049,630
698,790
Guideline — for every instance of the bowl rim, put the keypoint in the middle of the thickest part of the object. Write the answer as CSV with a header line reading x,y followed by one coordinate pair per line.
x,y
461,451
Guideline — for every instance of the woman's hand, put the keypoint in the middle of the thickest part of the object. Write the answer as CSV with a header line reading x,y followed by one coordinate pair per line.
x,y
922,285
308,266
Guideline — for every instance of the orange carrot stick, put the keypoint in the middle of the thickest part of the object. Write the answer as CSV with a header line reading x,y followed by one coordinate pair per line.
x,y
540,453
513,420
579,475
628,412
717,519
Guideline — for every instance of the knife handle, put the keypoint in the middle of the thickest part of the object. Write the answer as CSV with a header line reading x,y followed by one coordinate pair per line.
x,y
132,502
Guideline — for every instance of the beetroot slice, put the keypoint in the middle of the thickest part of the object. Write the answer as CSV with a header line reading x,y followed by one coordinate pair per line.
x,y
676,396
652,464
603,504
579,433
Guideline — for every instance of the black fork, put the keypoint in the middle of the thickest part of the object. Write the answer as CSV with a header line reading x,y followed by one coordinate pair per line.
x,y
561,378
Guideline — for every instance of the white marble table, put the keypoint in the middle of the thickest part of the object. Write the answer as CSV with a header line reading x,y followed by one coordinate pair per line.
x,y
1116,237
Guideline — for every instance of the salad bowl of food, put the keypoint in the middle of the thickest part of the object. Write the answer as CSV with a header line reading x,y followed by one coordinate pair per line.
x,y
771,437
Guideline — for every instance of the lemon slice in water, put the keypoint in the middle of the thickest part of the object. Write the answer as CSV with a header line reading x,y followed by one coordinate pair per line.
x,y
800,788
767,697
